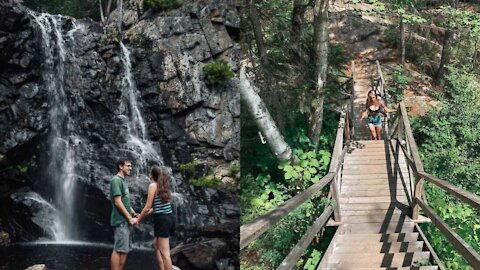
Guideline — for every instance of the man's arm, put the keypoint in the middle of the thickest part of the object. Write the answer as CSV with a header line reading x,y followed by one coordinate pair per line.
x,y
123,210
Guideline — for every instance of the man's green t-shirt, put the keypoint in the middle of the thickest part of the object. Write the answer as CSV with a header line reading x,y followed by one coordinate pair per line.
x,y
118,187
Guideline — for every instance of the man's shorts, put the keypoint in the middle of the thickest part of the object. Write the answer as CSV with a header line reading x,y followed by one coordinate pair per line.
x,y
374,120
164,225
122,236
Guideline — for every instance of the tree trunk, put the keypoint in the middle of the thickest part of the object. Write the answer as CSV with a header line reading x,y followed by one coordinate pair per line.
x,y
299,8
320,41
446,52
109,8
402,41
264,121
101,11
257,31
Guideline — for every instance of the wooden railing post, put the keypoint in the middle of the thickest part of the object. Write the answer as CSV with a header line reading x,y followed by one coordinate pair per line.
x,y
418,195
336,163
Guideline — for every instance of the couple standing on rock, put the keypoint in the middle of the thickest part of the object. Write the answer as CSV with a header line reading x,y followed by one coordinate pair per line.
x,y
123,216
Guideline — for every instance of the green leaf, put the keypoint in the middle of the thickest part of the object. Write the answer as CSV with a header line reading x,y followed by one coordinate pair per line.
x,y
307,175
312,170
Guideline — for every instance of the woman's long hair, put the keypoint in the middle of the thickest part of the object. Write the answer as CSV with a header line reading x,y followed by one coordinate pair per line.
x,y
161,178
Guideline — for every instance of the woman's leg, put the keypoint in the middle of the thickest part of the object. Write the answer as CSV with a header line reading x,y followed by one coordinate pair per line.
x,y
158,254
378,130
373,133
164,244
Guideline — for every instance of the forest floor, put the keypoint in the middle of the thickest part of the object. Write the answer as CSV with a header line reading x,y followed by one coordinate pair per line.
x,y
362,30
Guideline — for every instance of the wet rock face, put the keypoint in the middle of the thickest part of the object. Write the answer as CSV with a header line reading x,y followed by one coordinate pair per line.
x,y
186,120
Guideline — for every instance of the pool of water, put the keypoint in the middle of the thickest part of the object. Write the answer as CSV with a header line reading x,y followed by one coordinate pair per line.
x,y
78,256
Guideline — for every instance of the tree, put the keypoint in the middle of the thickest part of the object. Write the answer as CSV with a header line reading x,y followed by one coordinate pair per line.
x,y
320,42
257,31
264,121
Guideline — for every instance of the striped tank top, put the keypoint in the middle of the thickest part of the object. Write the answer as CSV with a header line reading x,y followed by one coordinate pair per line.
x,y
160,207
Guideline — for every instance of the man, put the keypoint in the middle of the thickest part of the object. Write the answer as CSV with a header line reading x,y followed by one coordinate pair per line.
x,y
123,216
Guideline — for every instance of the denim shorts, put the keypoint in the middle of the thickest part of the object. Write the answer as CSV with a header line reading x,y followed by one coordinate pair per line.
x,y
122,236
374,120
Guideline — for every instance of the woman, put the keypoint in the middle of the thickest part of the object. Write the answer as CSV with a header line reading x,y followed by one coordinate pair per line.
x,y
374,120
159,196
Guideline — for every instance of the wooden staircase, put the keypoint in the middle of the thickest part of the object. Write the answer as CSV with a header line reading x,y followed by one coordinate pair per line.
x,y
376,231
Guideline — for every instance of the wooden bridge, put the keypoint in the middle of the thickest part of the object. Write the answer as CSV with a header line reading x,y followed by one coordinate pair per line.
x,y
378,190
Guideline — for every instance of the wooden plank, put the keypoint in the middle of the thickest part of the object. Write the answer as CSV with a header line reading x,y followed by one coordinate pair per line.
x,y
394,211
373,167
377,260
254,229
377,237
304,242
430,248
375,218
377,176
386,186
374,162
461,194
399,191
470,255
375,170
373,199
372,206
379,247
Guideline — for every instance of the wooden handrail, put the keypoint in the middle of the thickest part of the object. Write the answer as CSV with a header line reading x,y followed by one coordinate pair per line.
x,y
254,229
403,126
297,251
472,257
461,194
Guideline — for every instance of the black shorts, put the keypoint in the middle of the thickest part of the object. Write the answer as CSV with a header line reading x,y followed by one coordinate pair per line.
x,y
164,225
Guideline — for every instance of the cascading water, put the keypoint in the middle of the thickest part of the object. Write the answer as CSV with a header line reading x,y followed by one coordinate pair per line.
x,y
136,132
61,152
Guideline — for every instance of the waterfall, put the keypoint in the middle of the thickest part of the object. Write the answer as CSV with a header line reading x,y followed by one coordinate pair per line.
x,y
61,154
136,131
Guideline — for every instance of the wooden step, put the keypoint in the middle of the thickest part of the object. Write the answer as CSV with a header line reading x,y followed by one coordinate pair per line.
x,y
394,211
373,199
377,260
369,170
363,161
349,187
374,176
381,268
373,206
375,218
378,247
377,237
391,167
392,227
395,192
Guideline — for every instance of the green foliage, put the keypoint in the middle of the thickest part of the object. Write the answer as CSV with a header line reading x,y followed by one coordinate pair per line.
x,y
217,72
449,143
111,36
205,181
400,81
74,8
337,58
234,168
188,167
313,260
391,36
309,168
163,4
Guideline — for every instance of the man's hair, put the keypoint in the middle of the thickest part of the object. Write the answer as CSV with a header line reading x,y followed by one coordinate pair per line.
x,y
121,161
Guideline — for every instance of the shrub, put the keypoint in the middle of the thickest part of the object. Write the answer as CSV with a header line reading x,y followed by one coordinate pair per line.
x,y
217,72
400,80
205,181
163,4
